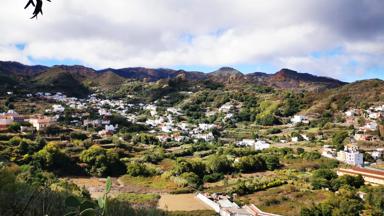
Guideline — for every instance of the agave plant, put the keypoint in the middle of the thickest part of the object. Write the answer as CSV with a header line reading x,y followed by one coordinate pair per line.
x,y
89,208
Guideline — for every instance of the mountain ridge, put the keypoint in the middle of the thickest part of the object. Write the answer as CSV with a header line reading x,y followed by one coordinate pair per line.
x,y
284,78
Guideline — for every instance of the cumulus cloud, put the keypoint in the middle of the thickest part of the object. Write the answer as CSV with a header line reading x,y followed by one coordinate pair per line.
x,y
152,33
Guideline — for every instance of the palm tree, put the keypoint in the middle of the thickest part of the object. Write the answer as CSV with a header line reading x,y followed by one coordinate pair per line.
x,y
38,7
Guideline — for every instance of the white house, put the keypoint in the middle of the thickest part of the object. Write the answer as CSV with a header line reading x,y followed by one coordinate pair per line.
x,y
225,108
104,112
350,113
152,109
166,128
41,123
376,154
371,126
111,128
57,108
379,108
174,110
374,115
206,126
183,126
299,119
246,142
305,137
206,137
295,139
257,145
261,145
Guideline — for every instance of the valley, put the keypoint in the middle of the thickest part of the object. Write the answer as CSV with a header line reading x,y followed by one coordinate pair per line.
x,y
177,142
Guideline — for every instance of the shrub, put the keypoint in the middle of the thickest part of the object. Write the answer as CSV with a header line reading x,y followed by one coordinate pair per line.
x,y
214,177
311,155
102,162
274,130
251,164
53,159
219,164
192,179
78,136
139,169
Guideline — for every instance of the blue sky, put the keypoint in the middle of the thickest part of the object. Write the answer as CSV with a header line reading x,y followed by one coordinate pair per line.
x,y
325,38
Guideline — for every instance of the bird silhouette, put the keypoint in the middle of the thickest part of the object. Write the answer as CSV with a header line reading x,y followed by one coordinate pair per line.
x,y
38,7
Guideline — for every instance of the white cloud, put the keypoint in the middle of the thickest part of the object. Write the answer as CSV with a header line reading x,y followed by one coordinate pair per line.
x,y
166,33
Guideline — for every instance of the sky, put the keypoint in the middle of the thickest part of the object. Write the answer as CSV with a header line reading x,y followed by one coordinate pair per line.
x,y
343,39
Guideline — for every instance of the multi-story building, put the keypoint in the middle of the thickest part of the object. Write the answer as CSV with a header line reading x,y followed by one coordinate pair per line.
x,y
351,155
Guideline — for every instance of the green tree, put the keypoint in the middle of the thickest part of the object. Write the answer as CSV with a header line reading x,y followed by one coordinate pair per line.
x,y
138,169
375,201
219,164
344,203
53,159
338,139
78,136
250,164
193,180
183,165
102,162
272,162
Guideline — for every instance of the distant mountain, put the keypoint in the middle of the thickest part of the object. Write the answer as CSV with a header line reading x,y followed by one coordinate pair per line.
x,y
16,68
284,79
226,75
151,75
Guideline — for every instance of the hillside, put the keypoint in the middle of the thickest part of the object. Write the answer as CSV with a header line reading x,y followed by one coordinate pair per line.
x,y
6,82
108,80
78,72
60,80
358,94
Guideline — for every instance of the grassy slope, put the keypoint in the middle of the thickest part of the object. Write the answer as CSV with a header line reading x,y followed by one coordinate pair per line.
x,y
60,80
108,81
357,94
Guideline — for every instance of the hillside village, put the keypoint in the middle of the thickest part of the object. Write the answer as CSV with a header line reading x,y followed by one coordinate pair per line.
x,y
199,147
